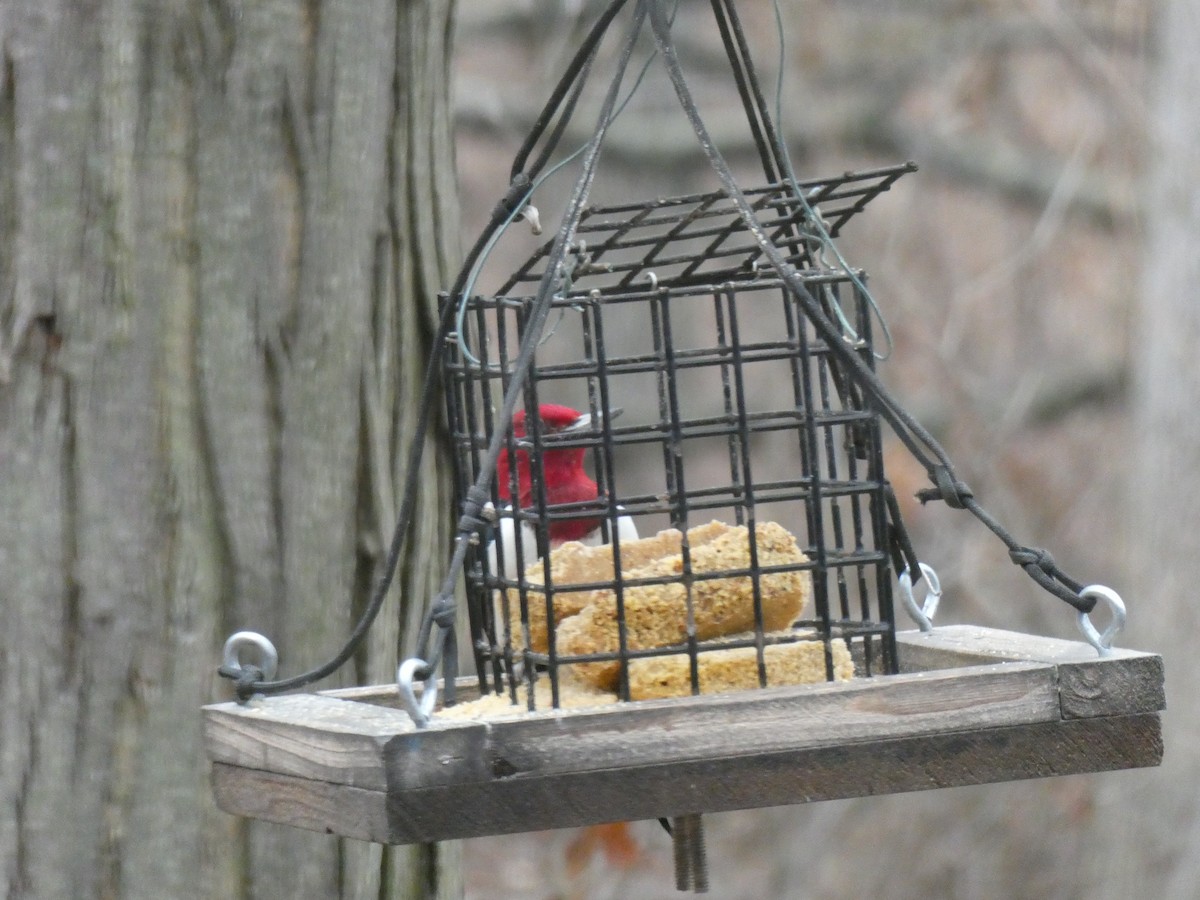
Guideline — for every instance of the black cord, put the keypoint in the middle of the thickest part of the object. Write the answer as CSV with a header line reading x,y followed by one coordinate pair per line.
x,y
442,611
416,451
762,129
924,447
1036,562
575,75
443,608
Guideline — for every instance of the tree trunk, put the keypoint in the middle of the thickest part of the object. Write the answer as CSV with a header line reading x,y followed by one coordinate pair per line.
x,y
222,229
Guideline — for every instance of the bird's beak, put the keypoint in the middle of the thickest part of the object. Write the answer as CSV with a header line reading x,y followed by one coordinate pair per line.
x,y
584,422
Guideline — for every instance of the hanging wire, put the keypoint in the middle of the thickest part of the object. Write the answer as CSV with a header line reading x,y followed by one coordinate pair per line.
x,y
246,685
469,288
1037,563
776,162
442,610
824,238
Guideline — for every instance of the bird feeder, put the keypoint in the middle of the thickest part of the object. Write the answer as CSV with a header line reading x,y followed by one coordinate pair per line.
x,y
744,650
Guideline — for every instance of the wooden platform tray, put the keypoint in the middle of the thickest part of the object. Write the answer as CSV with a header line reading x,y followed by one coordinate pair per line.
x,y
972,705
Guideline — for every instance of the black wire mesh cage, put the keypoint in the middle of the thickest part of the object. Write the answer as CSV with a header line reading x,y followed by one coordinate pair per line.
x,y
744,453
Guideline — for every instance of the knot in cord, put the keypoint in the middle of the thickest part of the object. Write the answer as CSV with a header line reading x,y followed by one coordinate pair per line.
x,y
517,189
444,614
956,493
474,517
245,679
1033,556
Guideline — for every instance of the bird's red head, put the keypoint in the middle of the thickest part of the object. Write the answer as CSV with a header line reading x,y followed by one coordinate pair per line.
x,y
554,418
562,471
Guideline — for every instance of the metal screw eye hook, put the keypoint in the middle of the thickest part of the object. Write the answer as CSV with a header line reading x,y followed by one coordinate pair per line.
x,y
529,213
652,277
1103,641
268,656
923,614
421,710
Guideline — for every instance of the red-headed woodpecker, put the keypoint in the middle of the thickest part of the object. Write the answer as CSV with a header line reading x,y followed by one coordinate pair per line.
x,y
565,482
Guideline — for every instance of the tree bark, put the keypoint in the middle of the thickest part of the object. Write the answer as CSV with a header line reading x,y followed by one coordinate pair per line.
x,y
222,229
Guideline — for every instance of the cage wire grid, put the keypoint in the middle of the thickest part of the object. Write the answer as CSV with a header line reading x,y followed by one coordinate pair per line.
x,y
643,269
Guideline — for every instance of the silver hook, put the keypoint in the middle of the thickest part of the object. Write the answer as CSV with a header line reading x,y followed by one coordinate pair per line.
x,y
1103,641
231,663
923,614
530,214
268,655
418,710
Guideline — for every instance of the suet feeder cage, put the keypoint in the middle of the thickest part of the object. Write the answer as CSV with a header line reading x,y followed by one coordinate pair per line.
x,y
744,651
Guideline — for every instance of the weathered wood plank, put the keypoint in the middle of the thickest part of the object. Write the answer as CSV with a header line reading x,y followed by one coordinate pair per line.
x,y
1125,683
519,803
1107,687
786,777
950,646
768,721
340,809
336,740
378,694
305,735
467,688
